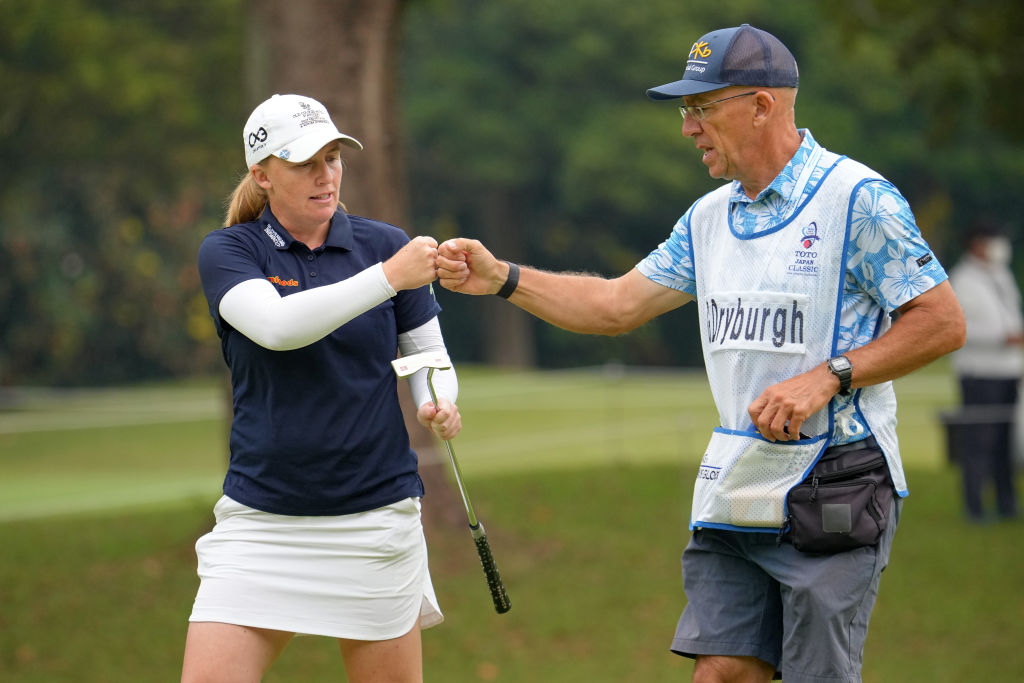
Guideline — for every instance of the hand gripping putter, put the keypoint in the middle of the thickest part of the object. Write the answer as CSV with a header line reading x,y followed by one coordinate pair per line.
x,y
431,361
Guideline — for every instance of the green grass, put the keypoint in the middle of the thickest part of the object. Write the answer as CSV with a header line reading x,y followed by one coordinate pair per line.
x,y
583,480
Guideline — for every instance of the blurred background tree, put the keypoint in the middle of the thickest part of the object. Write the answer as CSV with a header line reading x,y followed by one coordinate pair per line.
x,y
523,123
530,129
118,137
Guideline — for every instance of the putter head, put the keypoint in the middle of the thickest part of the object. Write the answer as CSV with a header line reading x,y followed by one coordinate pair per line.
x,y
408,365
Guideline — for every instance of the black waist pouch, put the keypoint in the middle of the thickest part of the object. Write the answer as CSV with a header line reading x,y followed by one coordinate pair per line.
x,y
844,503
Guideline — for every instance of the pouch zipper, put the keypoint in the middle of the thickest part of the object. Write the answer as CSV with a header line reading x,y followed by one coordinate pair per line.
x,y
817,479
866,467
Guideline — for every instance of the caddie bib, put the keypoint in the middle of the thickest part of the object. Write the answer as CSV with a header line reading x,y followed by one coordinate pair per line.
x,y
769,305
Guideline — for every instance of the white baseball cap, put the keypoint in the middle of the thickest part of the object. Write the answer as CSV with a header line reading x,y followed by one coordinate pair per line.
x,y
290,127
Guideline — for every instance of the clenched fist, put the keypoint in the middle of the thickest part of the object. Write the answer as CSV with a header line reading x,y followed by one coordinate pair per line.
x,y
443,419
414,265
467,266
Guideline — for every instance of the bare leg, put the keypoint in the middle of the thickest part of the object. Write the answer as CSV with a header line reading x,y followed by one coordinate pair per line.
x,y
716,669
399,660
227,653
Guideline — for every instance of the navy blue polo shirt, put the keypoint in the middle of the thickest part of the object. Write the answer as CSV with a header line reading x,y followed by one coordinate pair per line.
x,y
316,430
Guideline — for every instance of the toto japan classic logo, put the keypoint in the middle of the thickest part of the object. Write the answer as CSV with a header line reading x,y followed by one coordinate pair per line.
x,y
809,235
805,256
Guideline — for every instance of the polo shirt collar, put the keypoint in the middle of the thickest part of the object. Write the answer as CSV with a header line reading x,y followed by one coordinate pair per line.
x,y
339,235
784,184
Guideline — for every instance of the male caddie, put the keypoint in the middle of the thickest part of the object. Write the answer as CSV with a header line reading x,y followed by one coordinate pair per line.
x,y
815,289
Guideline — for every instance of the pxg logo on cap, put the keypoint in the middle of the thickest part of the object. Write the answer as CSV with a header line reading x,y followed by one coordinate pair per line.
x,y
742,55
290,127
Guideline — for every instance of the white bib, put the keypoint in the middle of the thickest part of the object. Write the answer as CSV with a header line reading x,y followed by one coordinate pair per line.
x,y
769,308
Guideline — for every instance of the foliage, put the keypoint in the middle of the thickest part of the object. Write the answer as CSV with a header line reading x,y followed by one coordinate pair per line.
x,y
963,62
542,105
953,72
533,120
526,125
117,132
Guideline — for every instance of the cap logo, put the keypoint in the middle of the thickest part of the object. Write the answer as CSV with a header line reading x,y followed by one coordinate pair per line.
x,y
284,154
256,136
308,116
701,49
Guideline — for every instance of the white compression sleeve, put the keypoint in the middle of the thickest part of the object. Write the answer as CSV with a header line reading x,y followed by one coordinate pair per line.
x,y
427,337
283,323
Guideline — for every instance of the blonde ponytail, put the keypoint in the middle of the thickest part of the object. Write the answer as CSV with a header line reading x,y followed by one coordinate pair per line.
x,y
246,202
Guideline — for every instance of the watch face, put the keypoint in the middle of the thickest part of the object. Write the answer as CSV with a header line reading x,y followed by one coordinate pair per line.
x,y
840,363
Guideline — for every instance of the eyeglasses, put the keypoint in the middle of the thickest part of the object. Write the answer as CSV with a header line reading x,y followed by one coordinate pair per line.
x,y
697,110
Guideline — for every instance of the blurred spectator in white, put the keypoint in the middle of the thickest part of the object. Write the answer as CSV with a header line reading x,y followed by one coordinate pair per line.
x,y
989,366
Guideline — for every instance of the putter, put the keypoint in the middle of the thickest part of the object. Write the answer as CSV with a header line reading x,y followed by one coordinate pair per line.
x,y
431,361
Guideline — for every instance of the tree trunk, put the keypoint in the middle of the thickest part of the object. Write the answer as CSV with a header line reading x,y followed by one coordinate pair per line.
x,y
344,53
508,331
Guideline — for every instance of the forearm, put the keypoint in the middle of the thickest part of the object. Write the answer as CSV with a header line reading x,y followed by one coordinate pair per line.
x,y
577,302
255,309
427,337
898,352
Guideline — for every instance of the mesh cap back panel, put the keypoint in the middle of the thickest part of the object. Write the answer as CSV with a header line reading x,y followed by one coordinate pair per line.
x,y
754,59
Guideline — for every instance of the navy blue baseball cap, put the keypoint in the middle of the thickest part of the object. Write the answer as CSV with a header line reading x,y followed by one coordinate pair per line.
x,y
742,55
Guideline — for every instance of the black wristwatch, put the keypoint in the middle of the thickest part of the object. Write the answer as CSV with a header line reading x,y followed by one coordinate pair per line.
x,y
841,367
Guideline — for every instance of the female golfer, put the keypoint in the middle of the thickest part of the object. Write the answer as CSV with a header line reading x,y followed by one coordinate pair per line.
x,y
318,531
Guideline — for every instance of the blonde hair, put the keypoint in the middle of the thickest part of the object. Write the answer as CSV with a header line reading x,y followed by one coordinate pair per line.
x,y
246,202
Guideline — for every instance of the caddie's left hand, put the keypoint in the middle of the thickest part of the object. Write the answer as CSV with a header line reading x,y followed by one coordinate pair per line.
x,y
443,420
781,409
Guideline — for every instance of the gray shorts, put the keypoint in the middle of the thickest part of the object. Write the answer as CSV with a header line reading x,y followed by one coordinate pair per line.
x,y
807,615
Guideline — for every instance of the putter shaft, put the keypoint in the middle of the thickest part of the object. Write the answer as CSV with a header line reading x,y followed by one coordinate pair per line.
x,y
473,523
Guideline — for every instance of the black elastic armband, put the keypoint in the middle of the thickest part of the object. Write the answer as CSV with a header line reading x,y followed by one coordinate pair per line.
x,y
511,283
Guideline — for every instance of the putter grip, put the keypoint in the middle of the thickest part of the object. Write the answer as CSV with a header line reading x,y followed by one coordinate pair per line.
x,y
483,549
